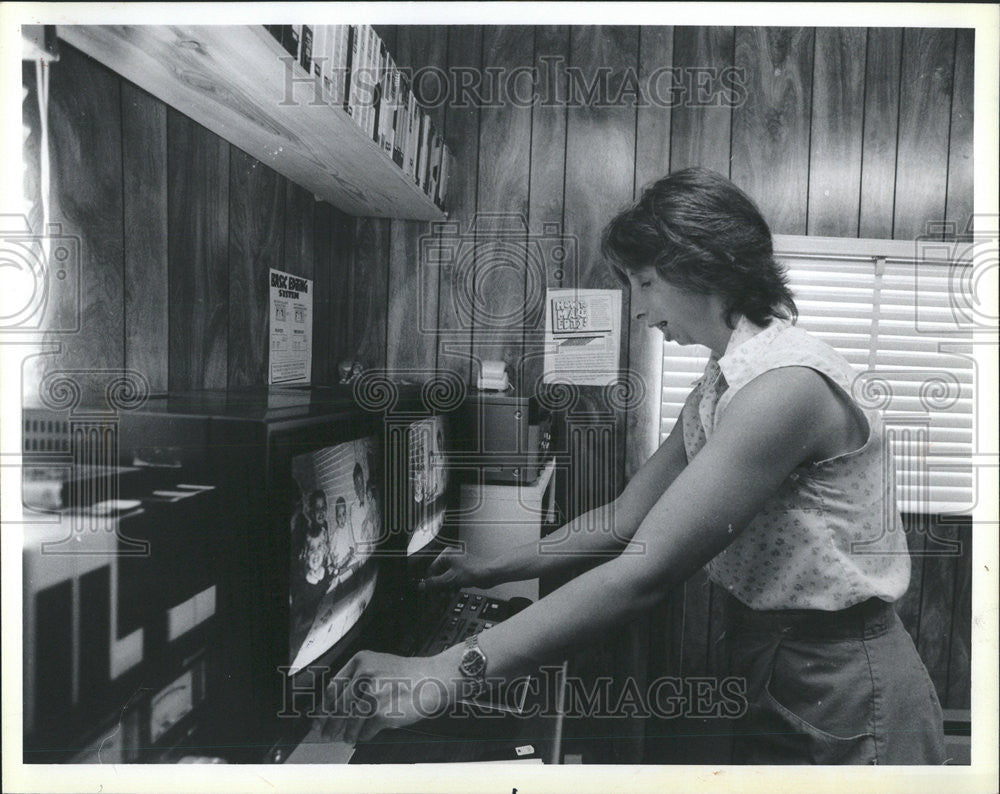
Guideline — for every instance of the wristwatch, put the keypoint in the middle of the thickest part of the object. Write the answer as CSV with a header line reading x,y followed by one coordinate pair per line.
x,y
473,664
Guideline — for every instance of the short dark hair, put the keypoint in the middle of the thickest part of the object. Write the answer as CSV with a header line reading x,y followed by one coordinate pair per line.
x,y
317,494
705,235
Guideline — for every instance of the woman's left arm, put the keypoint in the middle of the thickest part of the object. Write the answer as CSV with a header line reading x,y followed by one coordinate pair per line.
x,y
778,421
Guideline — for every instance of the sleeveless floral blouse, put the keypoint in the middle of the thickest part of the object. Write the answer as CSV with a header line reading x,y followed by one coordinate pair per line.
x,y
831,536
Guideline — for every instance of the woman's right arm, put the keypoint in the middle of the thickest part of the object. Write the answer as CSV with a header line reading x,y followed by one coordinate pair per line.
x,y
576,539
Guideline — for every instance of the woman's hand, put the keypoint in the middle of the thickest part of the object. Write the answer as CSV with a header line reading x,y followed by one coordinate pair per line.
x,y
455,567
374,691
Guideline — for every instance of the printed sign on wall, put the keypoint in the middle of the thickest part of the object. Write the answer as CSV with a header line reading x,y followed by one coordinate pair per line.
x,y
291,308
582,335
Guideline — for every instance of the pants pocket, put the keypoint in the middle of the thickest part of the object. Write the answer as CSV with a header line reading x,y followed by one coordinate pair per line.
x,y
816,746
814,705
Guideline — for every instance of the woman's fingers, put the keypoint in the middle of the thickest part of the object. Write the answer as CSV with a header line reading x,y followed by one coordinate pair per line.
x,y
339,696
442,562
362,708
369,730
347,671
443,571
333,727
373,691
441,580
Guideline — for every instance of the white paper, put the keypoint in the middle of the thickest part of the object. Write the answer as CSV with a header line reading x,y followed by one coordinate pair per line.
x,y
291,311
582,336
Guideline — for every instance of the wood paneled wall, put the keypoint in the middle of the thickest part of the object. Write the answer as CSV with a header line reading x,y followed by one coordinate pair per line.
x,y
177,231
835,131
850,132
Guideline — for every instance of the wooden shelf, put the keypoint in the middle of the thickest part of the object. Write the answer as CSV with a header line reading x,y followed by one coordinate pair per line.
x,y
231,80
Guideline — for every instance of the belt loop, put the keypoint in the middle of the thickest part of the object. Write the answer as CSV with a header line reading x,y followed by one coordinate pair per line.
x,y
876,617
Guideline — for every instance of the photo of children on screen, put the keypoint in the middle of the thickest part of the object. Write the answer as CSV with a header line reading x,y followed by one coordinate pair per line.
x,y
311,569
328,552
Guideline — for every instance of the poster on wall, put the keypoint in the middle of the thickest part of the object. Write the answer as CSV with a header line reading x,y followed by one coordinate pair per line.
x,y
582,335
291,309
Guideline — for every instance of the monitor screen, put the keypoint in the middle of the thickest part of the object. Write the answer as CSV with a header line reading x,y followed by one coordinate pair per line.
x,y
428,474
335,524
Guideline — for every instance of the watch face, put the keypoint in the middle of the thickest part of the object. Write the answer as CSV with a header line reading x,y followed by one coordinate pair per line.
x,y
473,662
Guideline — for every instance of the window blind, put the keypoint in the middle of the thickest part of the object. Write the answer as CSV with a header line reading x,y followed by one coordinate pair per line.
x,y
896,316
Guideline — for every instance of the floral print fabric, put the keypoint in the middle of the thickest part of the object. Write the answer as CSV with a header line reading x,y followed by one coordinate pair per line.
x,y
831,536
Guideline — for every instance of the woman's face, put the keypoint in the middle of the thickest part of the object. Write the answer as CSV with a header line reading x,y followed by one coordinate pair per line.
x,y
683,317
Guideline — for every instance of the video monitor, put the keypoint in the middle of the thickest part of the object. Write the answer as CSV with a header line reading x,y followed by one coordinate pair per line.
x,y
335,525
428,475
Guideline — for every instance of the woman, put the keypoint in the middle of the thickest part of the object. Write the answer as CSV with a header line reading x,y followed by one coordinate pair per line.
x,y
773,478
